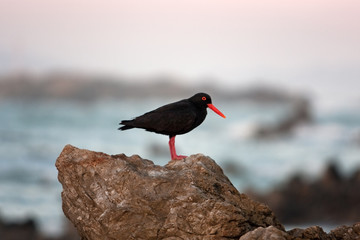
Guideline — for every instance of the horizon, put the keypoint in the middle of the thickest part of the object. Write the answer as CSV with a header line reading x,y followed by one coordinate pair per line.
x,y
306,45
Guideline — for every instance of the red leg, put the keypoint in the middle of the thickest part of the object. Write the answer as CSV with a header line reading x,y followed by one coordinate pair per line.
x,y
173,154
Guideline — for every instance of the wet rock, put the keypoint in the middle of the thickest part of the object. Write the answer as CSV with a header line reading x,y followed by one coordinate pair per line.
x,y
120,197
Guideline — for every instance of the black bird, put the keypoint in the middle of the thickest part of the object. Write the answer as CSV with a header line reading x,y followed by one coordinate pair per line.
x,y
174,119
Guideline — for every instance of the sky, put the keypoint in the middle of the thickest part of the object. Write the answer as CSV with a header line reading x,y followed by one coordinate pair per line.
x,y
307,44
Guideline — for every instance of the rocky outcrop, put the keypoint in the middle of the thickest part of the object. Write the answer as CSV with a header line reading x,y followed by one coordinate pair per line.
x,y
28,230
300,114
120,197
21,230
333,198
347,233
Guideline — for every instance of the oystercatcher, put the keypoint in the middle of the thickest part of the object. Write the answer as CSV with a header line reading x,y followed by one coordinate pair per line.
x,y
174,119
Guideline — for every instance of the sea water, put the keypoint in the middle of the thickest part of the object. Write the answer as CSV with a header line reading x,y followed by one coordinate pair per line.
x,y
32,135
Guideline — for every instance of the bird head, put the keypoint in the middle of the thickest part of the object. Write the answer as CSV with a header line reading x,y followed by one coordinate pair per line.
x,y
204,100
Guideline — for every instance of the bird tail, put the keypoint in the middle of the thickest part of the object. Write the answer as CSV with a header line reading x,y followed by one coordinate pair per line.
x,y
127,125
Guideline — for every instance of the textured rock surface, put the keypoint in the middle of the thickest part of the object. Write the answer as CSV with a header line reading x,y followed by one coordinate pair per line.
x,y
311,233
120,197
269,233
347,233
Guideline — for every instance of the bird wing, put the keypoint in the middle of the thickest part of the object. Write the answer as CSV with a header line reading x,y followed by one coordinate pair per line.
x,y
172,118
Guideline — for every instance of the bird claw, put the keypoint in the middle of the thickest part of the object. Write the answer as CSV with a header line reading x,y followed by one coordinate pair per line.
x,y
178,157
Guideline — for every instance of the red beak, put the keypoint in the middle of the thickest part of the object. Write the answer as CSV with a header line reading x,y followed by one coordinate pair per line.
x,y
212,107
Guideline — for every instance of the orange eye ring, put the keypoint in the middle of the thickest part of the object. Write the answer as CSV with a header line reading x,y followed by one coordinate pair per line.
x,y
203,98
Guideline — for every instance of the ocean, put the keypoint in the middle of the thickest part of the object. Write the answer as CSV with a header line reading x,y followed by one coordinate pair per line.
x,y
33,133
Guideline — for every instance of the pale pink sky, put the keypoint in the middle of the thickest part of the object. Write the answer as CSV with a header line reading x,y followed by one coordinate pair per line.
x,y
231,40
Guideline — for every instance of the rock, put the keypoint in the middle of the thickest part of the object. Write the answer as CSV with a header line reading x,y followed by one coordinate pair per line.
x,y
69,232
311,233
25,230
269,233
300,114
120,197
347,233
332,198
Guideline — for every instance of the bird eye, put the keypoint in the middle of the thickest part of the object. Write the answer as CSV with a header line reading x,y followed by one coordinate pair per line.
x,y
203,98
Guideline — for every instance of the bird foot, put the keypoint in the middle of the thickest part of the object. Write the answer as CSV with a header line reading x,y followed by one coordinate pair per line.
x,y
178,157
